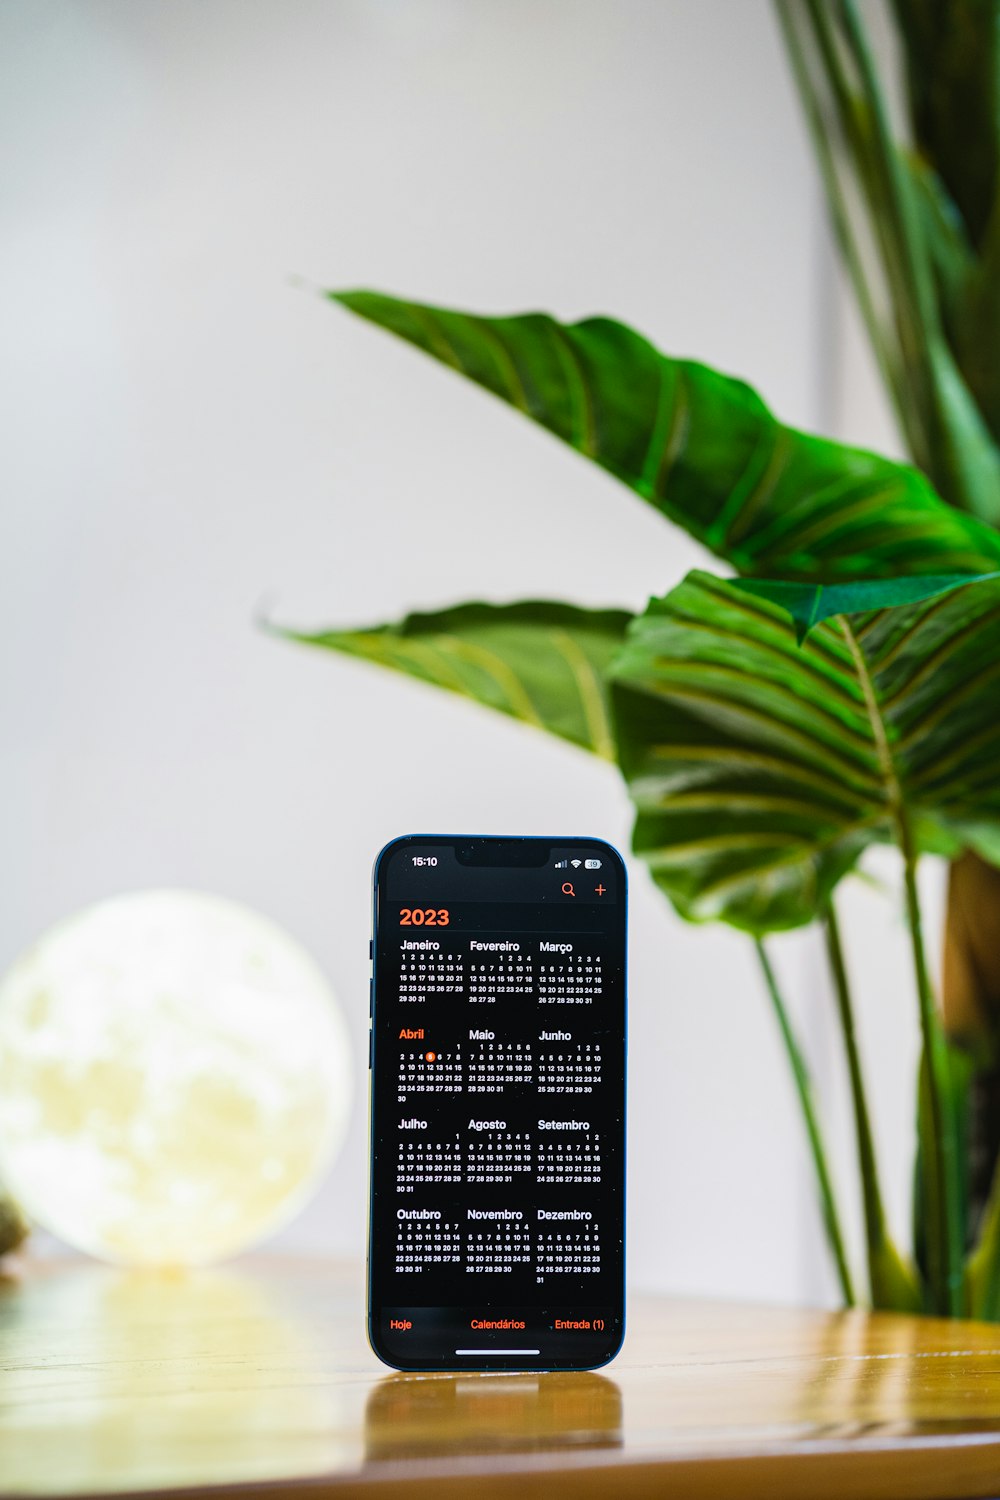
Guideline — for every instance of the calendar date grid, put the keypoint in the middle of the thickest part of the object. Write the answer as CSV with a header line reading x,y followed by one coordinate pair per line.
x,y
496,1037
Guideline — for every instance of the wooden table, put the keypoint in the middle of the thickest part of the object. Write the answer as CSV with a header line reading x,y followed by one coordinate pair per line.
x,y
259,1375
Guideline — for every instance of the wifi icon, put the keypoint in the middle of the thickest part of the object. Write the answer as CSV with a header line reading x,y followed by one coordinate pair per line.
x,y
575,863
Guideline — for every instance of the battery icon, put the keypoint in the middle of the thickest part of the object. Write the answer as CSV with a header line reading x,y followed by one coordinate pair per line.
x,y
592,864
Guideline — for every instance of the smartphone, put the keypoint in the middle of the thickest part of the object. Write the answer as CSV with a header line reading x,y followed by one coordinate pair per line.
x,y
497,1214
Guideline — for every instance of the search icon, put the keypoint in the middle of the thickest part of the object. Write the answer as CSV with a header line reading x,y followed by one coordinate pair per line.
x,y
567,889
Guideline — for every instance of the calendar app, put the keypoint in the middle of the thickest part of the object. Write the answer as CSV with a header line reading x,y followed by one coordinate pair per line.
x,y
498,1104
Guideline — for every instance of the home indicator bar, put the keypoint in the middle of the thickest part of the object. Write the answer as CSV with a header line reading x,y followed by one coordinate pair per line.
x,y
498,1351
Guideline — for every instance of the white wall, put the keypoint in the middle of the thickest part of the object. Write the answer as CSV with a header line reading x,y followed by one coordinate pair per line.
x,y
190,433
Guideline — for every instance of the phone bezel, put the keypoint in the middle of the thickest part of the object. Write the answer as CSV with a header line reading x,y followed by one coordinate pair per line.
x,y
512,844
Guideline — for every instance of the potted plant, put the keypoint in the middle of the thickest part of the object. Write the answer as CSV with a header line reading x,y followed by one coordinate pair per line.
x,y
843,688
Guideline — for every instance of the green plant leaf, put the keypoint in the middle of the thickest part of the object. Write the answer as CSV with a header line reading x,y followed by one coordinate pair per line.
x,y
543,663
962,457
810,604
964,460
700,447
952,51
941,227
976,326
761,769
903,206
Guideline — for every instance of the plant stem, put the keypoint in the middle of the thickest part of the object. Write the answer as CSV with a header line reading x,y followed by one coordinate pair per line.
x,y
803,1085
941,1163
984,1263
897,1279
13,1225
875,1231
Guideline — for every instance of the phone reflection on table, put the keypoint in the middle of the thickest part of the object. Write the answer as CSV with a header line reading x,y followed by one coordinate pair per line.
x,y
428,1416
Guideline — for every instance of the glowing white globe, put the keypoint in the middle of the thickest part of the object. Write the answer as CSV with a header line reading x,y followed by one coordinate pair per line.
x,y
174,1078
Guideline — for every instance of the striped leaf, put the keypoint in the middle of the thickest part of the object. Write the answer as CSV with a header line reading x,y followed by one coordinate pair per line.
x,y
810,604
761,769
700,447
543,663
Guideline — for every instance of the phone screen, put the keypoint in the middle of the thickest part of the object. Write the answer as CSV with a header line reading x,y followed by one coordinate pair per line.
x,y
498,1104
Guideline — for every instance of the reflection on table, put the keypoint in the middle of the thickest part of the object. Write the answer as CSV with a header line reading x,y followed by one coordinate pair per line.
x,y
433,1416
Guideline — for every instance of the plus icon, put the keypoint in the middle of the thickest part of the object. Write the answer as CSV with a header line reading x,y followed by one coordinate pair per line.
x,y
599,890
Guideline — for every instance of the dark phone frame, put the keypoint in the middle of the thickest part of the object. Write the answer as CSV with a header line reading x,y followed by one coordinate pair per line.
x,y
485,850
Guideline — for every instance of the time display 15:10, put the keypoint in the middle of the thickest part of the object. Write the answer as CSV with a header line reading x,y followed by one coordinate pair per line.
x,y
419,916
